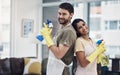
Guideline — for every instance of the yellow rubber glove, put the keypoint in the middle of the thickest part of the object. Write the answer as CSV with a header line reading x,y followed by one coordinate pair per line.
x,y
104,60
100,58
99,49
46,32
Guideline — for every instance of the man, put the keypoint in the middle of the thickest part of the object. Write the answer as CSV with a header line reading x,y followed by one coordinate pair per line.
x,y
62,49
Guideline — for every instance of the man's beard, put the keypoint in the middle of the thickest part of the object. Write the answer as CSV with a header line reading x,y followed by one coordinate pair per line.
x,y
63,22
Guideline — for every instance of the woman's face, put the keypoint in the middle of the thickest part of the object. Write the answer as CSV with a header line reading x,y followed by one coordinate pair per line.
x,y
82,28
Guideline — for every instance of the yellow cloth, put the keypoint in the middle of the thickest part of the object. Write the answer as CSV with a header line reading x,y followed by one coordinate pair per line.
x,y
46,32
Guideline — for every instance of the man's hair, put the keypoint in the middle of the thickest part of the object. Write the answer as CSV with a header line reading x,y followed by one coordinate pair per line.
x,y
67,6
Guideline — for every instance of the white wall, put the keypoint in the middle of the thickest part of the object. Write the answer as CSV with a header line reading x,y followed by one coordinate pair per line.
x,y
23,9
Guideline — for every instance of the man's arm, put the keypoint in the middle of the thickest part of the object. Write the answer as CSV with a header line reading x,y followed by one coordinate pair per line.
x,y
59,51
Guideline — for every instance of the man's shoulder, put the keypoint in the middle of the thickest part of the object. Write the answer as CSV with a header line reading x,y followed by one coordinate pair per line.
x,y
70,29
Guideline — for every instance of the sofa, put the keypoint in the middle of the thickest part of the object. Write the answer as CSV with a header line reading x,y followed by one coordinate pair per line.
x,y
20,66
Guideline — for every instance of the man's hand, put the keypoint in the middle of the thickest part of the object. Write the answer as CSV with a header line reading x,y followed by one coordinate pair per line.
x,y
46,32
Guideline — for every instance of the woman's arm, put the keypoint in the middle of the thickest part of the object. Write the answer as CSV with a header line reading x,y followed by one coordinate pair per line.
x,y
82,59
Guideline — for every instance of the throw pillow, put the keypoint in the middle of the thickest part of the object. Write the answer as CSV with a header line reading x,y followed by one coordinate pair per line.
x,y
5,67
16,65
32,66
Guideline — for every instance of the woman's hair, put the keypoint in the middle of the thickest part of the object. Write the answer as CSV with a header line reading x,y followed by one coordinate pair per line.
x,y
74,24
67,6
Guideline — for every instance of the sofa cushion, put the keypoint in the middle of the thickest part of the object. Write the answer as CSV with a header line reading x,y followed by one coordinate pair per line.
x,y
5,67
17,66
32,66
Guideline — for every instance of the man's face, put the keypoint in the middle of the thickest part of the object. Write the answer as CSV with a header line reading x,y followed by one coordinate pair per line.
x,y
64,17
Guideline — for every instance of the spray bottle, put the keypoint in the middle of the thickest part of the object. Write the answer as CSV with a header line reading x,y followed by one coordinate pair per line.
x,y
40,37
99,42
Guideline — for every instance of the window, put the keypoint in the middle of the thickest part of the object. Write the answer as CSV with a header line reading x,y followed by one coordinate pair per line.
x,y
95,24
4,28
119,25
111,2
1,47
106,25
48,1
95,4
49,13
113,25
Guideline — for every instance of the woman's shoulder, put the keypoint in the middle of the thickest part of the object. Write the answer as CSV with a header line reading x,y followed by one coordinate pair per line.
x,y
80,39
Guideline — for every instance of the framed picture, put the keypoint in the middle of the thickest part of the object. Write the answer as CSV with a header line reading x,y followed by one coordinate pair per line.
x,y
27,27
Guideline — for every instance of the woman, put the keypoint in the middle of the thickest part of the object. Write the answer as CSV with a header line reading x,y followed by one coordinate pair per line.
x,y
86,50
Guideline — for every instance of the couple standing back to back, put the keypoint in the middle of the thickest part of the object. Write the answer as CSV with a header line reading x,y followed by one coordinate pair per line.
x,y
64,43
